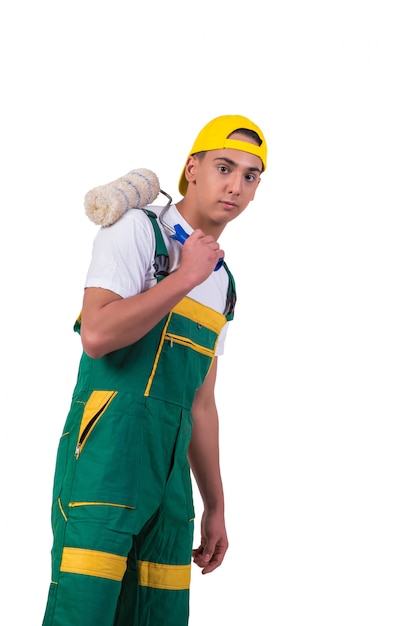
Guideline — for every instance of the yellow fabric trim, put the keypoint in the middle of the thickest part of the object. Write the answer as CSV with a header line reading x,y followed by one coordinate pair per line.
x,y
200,314
93,563
157,357
95,405
97,400
62,510
158,576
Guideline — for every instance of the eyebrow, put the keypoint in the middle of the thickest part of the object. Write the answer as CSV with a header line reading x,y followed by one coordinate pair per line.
x,y
231,162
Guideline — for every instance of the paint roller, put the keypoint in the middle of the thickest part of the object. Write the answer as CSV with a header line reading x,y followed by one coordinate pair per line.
x,y
105,204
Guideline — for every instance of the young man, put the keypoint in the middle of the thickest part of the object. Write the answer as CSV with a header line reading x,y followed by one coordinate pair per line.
x,y
143,410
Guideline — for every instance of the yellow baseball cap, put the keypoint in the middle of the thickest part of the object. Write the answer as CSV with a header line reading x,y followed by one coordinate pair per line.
x,y
214,136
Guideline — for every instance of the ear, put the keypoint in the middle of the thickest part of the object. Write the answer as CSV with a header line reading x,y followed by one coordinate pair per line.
x,y
191,168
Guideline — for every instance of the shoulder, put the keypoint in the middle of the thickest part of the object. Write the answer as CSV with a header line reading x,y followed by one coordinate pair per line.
x,y
123,255
133,227
133,218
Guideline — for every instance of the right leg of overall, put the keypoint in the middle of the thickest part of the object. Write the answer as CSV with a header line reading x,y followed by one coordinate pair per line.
x,y
102,498
89,561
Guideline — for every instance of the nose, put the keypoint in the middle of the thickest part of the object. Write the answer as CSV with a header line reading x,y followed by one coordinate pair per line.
x,y
234,184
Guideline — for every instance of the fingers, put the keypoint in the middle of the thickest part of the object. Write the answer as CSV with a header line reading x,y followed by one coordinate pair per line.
x,y
200,255
209,558
206,240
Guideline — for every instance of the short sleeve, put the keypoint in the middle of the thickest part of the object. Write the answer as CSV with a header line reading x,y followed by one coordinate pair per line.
x,y
122,256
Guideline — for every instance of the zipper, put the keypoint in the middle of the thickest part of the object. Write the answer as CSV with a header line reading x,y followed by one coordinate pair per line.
x,y
73,505
97,404
184,341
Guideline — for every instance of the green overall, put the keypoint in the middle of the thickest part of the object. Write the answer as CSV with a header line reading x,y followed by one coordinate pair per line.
x,y
122,511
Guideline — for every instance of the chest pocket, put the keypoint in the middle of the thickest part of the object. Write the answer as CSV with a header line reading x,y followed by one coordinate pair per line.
x,y
185,353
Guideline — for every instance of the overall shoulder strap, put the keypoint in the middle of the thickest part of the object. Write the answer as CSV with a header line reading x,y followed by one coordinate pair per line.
x,y
161,259
231,296
162,264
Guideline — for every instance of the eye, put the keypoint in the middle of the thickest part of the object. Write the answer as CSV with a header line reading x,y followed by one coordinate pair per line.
x,y
250,177
223,168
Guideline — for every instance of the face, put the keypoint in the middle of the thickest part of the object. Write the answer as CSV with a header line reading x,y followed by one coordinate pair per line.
x,y
221,185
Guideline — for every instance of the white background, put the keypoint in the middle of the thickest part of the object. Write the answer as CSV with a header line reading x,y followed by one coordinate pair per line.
x,y
317,389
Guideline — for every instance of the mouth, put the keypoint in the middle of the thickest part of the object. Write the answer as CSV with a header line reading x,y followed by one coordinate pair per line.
x,y
228,205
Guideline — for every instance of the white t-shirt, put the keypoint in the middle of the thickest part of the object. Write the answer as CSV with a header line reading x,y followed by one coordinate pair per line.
x,y
123,256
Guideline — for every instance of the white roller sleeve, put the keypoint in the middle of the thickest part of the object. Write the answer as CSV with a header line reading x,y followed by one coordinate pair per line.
x,y
107,203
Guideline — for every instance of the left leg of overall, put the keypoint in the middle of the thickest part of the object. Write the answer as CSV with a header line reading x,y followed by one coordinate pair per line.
x,y
127,611
164,564
163,551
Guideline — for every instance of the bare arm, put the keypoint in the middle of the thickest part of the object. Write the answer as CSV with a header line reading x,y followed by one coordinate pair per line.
x,y
110,322
204,461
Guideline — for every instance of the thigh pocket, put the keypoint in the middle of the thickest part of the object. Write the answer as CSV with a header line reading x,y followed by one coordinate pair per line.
x,y
106,455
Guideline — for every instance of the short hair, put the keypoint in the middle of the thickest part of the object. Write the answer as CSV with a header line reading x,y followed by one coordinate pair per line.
x,y
251,134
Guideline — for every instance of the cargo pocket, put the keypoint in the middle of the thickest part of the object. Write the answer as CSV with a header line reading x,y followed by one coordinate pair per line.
x,y
109,444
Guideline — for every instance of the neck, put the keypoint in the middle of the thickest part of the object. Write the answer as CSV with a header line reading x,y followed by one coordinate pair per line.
x,y
187,210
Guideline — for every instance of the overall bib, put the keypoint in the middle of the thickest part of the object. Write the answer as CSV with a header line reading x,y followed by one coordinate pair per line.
x,y
122,510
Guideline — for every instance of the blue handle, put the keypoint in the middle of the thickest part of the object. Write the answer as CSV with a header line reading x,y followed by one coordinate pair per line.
x,y
181,236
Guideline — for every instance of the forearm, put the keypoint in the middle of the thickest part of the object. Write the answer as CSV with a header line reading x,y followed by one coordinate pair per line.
x,y
110,322
204,462
203,451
